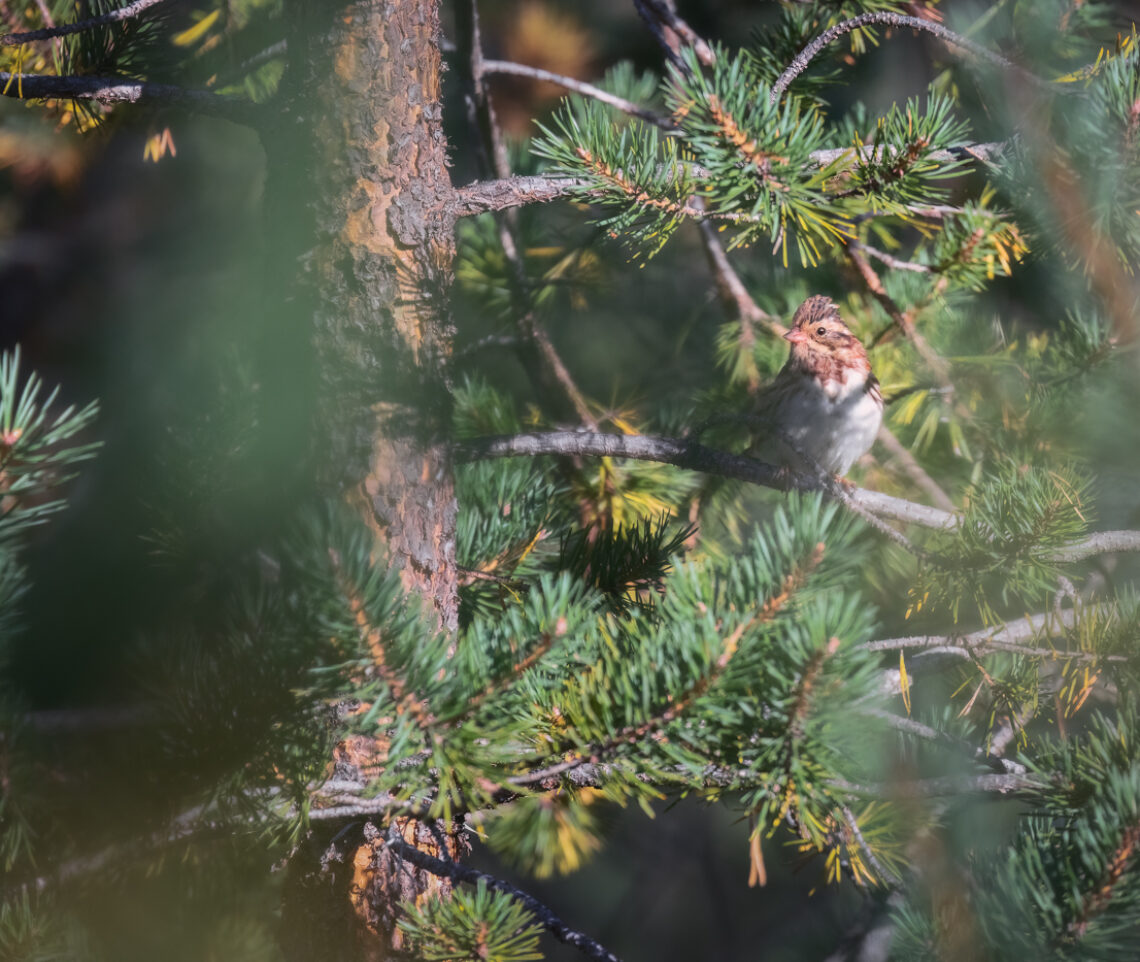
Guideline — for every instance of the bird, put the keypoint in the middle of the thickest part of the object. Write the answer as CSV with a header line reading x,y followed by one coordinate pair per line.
x,y
824,408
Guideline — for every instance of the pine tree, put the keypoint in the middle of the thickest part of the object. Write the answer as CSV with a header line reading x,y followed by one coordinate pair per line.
x,y
499,609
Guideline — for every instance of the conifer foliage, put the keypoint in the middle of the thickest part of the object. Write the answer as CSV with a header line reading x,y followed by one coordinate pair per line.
x,y
924,687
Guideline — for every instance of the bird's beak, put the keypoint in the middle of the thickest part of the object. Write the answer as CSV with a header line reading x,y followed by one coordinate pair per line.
x,y
795,335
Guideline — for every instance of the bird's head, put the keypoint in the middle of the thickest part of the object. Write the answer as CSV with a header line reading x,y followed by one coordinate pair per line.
x,y
819,337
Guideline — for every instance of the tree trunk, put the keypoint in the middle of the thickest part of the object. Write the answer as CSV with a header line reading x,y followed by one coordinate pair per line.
x,y
358,180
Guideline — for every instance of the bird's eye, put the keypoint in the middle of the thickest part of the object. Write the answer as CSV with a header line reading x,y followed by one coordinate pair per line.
x,y
820,331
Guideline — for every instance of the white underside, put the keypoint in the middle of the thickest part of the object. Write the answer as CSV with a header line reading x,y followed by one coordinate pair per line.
x,y
814,427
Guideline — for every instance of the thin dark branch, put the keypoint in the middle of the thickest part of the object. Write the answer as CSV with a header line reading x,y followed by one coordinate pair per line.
x,y
491,340
975,50
113,16
738,303
579,87
589,947
86,721
671,32
272,52
116,90
492,151
49,23
537,352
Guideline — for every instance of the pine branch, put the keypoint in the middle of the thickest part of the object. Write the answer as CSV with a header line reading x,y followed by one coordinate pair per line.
x,y
632,734
113,16
372,640
975,50
873,860
498,685
1096,901
115,90
589,947
508,192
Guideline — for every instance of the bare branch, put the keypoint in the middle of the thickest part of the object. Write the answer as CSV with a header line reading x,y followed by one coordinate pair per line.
x,y
1102,542
491,340
347,805
1002,783
903,321
911,727
113,16
899,265
697,457
491,195
983,152
115,90
731,288
975,50
579,87
461,873
914,470
1010,638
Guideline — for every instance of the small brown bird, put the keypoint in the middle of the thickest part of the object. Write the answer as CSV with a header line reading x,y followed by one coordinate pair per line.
x,y
824,408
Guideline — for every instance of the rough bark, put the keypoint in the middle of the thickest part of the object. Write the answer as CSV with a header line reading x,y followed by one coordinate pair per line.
x,y
361,200
358,172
